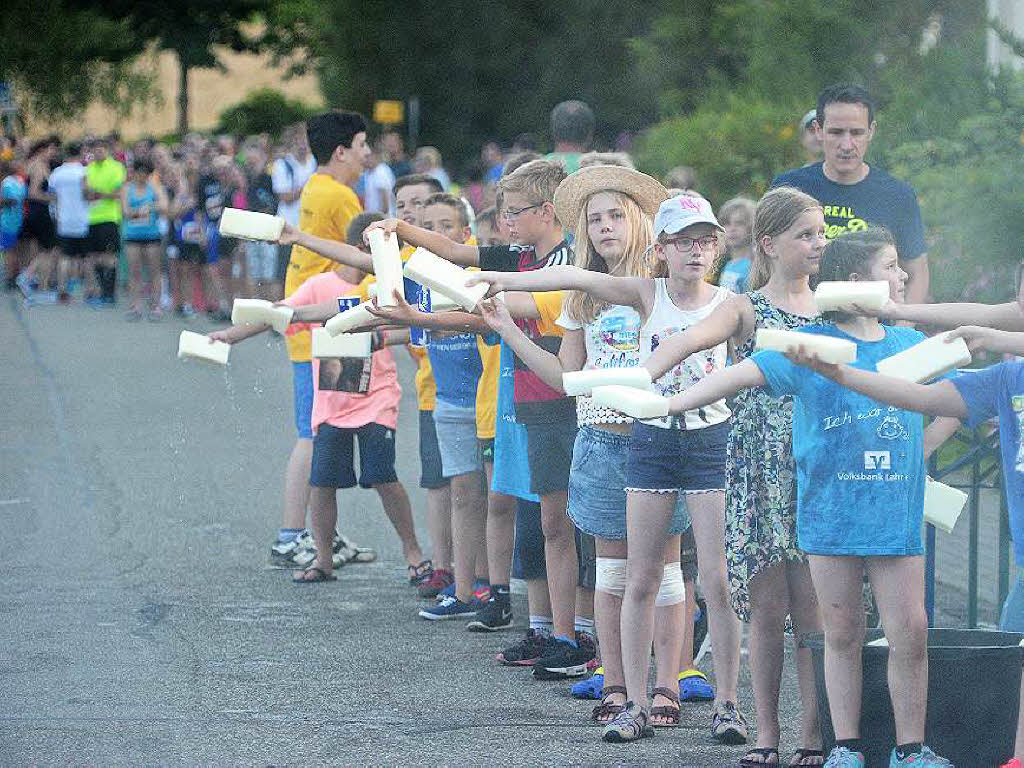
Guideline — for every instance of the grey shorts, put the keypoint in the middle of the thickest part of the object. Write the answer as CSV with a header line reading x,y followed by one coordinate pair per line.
x,y
456,439
261,261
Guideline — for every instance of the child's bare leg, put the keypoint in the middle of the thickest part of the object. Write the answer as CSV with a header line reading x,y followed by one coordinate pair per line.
x,y
769,606
1018,751
469,524
806,614
668,630
689,614
399,512
501,525
324,512
560,560
608,612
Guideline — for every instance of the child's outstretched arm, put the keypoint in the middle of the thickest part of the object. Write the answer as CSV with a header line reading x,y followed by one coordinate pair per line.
x,y
1007,317
725,323
343,253
435,242
549,367
520,305
939,399
1000,342
237,333
626,291
724,383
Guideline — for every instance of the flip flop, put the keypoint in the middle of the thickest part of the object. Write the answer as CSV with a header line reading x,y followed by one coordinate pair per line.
x,y
765,752
321,576
803,753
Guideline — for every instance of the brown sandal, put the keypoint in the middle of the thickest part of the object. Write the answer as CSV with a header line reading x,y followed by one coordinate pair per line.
x,y
670,714
604,712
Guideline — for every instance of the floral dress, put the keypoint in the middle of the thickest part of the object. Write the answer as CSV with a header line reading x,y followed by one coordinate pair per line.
x,y
760,496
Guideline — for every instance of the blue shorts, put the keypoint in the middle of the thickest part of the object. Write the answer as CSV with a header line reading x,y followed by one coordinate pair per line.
x,y
7,240
676,460
597,486
302,389
431,474
528,555
334,456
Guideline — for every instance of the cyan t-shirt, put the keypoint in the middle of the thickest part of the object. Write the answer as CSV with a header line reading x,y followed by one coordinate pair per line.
x,y
511,471
734,275
999,391
455,361
860,466
12,189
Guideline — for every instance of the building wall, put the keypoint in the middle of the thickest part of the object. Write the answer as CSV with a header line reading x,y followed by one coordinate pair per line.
x,y
210,92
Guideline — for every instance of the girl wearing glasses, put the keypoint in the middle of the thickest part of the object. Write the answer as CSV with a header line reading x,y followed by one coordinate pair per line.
x,y
662,460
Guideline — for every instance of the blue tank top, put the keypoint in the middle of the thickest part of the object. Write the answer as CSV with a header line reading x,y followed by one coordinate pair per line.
x,y
141,221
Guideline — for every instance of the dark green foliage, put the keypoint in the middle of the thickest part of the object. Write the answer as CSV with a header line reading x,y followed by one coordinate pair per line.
x,y
263,111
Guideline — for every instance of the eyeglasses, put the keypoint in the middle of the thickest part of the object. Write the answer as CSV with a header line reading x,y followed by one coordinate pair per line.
x,y
688,244
514,213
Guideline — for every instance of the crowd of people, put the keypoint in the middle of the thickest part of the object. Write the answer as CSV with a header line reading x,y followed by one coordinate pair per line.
x,y
753,502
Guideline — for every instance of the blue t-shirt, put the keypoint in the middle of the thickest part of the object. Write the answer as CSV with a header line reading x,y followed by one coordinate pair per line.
x,y
511,471
12,189
859,463
734,275
999,391
877,199
455,361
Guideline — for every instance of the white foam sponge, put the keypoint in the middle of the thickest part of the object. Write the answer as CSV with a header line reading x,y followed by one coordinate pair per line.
x,y
342,345
261,312
840,294
638,403
927,360
582,382
200,347
387,266
942,504
827,348
250,225
350,318
445,278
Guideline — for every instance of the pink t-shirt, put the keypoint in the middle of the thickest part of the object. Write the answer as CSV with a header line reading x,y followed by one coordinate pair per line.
x,y
337,383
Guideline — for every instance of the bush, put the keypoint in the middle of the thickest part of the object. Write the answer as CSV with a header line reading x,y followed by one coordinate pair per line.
x,y
737,146
263,111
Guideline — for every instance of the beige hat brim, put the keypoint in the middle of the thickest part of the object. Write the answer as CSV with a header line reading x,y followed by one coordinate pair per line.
x,y
575,189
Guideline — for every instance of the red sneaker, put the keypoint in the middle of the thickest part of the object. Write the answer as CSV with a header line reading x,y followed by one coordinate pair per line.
x,y
438,582
1014,763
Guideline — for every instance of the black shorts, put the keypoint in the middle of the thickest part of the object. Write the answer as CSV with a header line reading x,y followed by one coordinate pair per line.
x,y
431,472
190,252
74,247
528,556
334,456
39,226
486,449
549,454
688,555
104,237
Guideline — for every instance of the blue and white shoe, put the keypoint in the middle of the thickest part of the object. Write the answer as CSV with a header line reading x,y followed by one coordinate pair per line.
x,y
591,688
923,759
841,757
449,607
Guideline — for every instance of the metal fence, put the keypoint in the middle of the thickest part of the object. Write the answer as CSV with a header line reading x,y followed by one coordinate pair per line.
x,y
974,466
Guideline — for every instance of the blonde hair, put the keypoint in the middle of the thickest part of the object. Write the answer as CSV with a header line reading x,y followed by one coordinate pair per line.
x,y
777,211
581,306
537,180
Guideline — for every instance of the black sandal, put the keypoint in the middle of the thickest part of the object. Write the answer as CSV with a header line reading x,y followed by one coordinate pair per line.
x,y
319,576
604,712
802,754
765,753
421,574
669,713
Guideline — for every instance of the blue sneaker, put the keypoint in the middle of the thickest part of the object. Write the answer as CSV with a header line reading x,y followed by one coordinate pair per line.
x,y
841,757
449,607
478,586
591,688
694,686
923,759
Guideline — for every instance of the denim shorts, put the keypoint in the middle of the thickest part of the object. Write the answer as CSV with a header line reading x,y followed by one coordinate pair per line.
x,y
677,460
302,390
334,456
456,439
597,486
431,475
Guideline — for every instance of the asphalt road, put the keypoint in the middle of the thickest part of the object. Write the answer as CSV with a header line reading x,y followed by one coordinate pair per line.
x,y
140,624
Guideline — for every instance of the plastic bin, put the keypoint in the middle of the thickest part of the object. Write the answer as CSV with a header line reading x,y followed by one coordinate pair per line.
x,y
973,696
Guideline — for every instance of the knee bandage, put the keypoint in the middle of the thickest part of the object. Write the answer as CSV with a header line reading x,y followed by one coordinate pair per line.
x,y
672,591
611,576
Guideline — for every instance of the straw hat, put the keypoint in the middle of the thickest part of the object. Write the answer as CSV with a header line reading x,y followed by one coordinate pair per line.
x,y
574,190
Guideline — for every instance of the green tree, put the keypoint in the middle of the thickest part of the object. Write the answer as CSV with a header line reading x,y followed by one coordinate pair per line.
x,y
263,111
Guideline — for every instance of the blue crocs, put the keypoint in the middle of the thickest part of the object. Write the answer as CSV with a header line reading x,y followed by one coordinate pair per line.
x,y
694,686
591,688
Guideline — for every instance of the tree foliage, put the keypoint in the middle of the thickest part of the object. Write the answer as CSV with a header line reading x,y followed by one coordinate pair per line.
x,y
263,111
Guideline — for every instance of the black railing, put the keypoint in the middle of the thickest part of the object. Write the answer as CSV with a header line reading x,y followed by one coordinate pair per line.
x,y
979,457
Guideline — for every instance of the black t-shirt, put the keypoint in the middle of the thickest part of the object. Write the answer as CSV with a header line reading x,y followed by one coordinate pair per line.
x,y
260,194
877,199
535,401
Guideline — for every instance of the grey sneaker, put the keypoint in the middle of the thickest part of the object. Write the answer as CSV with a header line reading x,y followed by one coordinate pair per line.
x,y
630,724
728,726
290,554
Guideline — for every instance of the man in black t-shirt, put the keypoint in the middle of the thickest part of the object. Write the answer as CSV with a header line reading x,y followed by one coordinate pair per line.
x,y
855,194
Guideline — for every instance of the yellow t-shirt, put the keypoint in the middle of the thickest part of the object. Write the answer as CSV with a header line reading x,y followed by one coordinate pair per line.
x,y
549,305
487,389
327,207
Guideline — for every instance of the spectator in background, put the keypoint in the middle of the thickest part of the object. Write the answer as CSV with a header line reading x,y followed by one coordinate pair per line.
x,y
810,139
494,162
682,177
428,161
377,183
392,147
572,131
524,142
607,158
733,264
12,196
289,175
260,257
